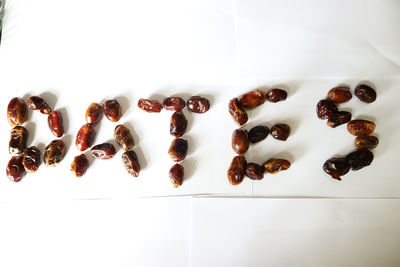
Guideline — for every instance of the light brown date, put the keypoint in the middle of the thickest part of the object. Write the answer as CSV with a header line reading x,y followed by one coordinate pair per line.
x,y
94,113
103,151
131,163
31,159
254,171
85,137
236,170
198,104
55,122
273,166
38,103
17,111
366,141
79,165
123,137
340,94
174,103
361,127
253,99
176,174
152,106
18,137
238,114
54,152
240,141
112,110
15,169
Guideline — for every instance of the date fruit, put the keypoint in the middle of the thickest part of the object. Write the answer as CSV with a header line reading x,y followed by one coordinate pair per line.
x,y
176,174
254,171
55,122
31,159
15,169
273,166
360,158
85,137
253,99
326,109
112,110
340,94
366,141
17,111
240,141
123,137
280,131
174,103
365,93
103,151
339,118
150,105
38,103
93,114
54,152
79,165
198,104
131,163
360,127
18,138
178,149
258,133
236,170
336,167
238,114
275,95
178,124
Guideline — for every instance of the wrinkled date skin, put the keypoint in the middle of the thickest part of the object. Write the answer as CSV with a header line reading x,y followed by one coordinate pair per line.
x,y
93,114
253,99
178,124
336,167
174,103
79,165
176,174
240,141
254,171
365,93
273,166
17,111
18,137
31,159
150,105
38,103
103,151
131,163
112,110
54,153
280,131
15,169
198,104
325,109
236,170
178,149
275,95
361,127
85,137
366,141
360,158
339,118
238,114
258,133
55,122
340,94
123,137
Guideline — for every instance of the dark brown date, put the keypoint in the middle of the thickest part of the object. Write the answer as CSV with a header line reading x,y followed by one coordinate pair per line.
x,y
15,169
18,137
365,93
123,137
340,94
79,165
273,166
150,105
198,104
339,118
240,141
258,133
236,170
94,113
174,103
361,127
17,111
31,159
238,114
275,95
85,137
336,167
54,152
326,109
131,163
55,122
360,158
178,149
253,99
103,151
38,103
280,131
254,171
366,141
178,124
112,110
176,174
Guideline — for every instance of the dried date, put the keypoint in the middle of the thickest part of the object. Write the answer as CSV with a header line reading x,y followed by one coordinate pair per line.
x,y
240,141
254,171
336,167
93,114
366,141
123,137
360,159
176,174
103,151
258,133
238,114
150,105
174,103
178,149
85,137
253,99
361,127
275,95
236,170
280,131
178,124
79,165
339,118
17,111
365,93
131,163
112,110
326,109
38,103
18,137
198,104
273,166
340,94
55,122
31,159
15,169
54,152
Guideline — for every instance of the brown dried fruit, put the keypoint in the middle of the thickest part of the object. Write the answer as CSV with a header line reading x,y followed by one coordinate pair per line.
x,y
280,131
240,141
178,124
85,137
15,170
273,166
131,163
123,137
17,111
336,167
178,149
176,174
236,170
275,95
103,151
38,103
94,113
258,133
174,103
254,171
238,114
253,99
31,159
54,152
360,127
365,93
366,141
360,158
79,165
340,94
339,118
326,109
150,105
55,122
112,110
198,104
18,137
